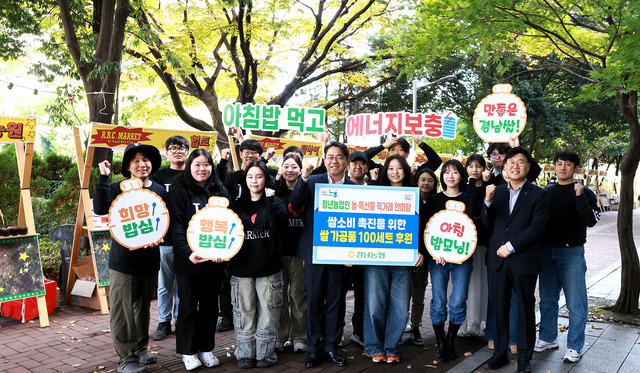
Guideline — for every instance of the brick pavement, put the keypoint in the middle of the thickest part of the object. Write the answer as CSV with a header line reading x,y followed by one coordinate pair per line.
x,y
78,339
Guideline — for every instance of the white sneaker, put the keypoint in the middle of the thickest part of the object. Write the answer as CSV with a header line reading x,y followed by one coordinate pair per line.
x,y
208,359
542,345
572,355
191,362
300,347
407,328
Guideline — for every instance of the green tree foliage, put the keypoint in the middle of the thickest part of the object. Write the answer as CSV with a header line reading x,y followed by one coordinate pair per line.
x,y
595,41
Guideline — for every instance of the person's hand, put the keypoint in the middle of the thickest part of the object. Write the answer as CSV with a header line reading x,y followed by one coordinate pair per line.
x,y
514,143
348,265
269,192
491,190
374,173
279,175
416,139
154,244
390,142
324,137
414,169
486,175
269,154
441,261
196,259
224,154
105,168
306,171
579,188
217,260
503,252
237,133
420,260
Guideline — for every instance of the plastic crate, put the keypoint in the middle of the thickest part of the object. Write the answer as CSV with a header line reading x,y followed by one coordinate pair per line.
x,y
27,309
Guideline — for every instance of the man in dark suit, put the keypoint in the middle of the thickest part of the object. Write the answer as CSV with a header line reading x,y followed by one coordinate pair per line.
x,y
516,214
325,295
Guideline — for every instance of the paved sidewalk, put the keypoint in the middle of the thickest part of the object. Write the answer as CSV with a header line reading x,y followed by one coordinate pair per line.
x,y
78,339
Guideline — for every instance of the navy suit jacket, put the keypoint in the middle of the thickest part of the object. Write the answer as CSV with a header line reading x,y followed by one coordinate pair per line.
x,y
303,194
523,228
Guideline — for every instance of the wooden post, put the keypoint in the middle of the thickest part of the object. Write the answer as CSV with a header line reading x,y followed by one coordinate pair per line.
x,y
84,213
24,155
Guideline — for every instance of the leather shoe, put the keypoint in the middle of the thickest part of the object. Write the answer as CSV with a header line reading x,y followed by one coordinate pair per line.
x,y
312,360
524,366
336,358
496,362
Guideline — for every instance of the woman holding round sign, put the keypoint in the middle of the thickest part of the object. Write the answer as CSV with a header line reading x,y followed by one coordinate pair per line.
x,y
198,275
256,271
134,257
450,237
387,289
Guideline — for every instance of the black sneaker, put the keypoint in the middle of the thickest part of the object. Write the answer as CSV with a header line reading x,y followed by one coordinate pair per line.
x,y
264,364
246,363
164,329
225,324
415,337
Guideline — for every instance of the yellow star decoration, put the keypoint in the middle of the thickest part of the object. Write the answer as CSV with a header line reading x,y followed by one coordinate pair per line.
x,y
105,247
23,256
1,290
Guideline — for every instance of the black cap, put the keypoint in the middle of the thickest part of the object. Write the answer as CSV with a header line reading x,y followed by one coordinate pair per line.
x,y
149,150
359,155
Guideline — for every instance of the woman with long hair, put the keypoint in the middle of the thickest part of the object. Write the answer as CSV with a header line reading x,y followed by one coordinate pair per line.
x,y
388,288
427,183
198,279
256,270
453,178
293,317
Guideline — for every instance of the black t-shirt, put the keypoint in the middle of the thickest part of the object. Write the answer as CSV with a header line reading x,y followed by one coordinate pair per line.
x,y
569,215
165,177
261,253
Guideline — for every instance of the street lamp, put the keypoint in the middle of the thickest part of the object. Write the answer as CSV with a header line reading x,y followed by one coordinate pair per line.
x,y
415,88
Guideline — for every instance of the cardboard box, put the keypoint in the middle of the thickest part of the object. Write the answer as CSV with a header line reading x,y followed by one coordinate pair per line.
x,y
85,285
92,302
84,268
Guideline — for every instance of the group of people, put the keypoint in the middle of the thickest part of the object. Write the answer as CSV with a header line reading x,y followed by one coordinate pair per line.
x,y
281,299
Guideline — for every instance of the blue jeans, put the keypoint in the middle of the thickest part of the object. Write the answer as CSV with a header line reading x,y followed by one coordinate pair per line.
x,y
387,290
256,313
166,283
563,268
460,274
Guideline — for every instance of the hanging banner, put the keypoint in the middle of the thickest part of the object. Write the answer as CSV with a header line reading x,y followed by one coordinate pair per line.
x,y
215,231
273,117
451,234
137,217
310,148
432,125
17,129
109,136
500,115
372,225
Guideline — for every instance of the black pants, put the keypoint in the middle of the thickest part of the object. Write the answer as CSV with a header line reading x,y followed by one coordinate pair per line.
x,y
355,275
325,306
226,308
524,286
197,312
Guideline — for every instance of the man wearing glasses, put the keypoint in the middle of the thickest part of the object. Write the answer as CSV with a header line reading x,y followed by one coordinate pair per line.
x,y
496,153
325,292
177,152
516,214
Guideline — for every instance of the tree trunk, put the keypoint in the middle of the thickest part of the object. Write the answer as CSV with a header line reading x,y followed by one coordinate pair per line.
x,y
627,302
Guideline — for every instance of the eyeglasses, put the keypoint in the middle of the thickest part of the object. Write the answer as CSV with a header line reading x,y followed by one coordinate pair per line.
x,y
174,149
338,158
520,163
494,155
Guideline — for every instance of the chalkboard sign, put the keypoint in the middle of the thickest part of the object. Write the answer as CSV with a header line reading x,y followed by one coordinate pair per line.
x,y
604,202
100,247
20,268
